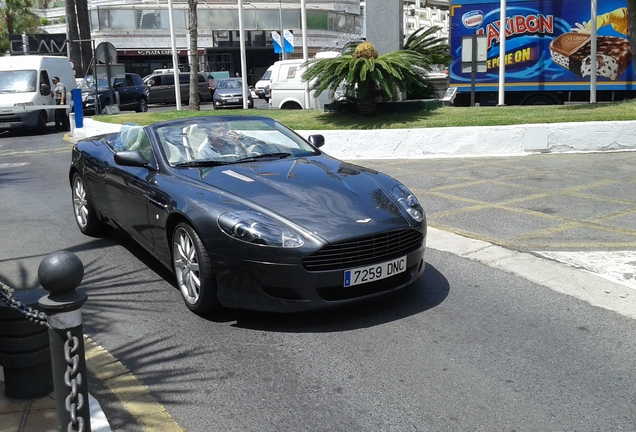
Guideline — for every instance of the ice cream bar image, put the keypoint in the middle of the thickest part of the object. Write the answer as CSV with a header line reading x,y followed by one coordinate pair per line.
x,y
573,52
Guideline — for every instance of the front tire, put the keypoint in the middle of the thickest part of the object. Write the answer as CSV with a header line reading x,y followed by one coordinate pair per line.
x,y
193,270
41,125
85,216
142,106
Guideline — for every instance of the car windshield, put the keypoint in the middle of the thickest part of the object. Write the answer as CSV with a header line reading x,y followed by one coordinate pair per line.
x,y
88,83
206,141
229,84
18,81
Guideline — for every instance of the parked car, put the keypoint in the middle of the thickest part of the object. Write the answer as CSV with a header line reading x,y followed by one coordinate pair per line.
x,y
259,87
274,224
229,93
129,93
162,88
213,77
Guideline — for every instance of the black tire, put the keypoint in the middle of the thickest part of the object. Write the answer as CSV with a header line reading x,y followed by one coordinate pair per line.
x,y
85,216
250,104
540,100
142,106
193,271
41,126
291,105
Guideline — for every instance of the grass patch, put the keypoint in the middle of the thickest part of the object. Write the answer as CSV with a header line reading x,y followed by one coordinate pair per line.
x,y
440,117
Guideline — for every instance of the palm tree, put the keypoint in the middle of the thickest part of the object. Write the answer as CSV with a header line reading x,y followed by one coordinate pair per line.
x,y
435,50
365,72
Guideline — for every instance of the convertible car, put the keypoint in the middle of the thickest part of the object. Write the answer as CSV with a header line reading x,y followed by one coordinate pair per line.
x,y
248,214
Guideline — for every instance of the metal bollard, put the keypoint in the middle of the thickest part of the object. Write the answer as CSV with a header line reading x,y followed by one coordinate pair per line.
x,y
25,353
60,273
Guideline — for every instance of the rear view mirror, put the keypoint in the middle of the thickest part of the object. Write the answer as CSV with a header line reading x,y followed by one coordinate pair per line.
x,y
45,90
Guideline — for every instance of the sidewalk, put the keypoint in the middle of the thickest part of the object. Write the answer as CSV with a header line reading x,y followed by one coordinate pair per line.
x,y
38,414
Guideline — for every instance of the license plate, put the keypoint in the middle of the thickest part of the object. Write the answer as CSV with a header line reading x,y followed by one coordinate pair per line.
x,y
372,273
233,100
5,125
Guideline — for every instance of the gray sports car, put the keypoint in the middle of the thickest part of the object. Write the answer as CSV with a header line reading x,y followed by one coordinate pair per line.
x,y
248,214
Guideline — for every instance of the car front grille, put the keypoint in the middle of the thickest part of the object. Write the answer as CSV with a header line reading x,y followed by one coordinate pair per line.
x,y
364,250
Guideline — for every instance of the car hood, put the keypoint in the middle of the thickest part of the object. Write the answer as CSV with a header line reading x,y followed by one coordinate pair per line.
x,y
331,198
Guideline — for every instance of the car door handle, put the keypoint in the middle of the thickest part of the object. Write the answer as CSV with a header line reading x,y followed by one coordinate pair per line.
x,y
155,202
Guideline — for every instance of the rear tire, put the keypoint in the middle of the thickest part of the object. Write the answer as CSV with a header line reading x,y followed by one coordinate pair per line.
x,y
85,215
142,106
291,105
193,271
540,100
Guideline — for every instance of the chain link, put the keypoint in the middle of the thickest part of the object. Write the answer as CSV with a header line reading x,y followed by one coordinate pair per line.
x,y
73,379
75,400
6,295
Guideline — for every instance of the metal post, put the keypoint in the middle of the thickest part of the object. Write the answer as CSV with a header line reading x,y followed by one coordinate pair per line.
x,y
593,51
60,273
474,71
282,31
502,53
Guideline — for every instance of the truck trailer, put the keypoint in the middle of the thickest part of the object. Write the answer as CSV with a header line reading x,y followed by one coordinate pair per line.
x,y
547,52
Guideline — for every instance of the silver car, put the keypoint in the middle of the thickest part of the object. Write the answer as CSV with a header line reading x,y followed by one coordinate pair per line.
x,y
229,93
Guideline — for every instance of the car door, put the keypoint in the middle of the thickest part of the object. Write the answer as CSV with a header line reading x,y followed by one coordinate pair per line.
x,y
127,93
128,189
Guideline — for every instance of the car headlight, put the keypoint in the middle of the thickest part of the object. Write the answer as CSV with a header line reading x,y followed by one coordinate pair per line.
x,y
409,202
257,228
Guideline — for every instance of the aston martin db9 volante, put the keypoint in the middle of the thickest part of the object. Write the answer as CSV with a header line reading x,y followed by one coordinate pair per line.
x,y
248,214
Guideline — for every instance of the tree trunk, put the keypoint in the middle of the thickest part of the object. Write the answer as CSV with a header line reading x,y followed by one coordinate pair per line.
x,y
367,105
193,56
73,35
86,47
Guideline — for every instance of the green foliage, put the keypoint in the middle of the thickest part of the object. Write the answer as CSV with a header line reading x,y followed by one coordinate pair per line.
x,y
433,49
364,72
16,16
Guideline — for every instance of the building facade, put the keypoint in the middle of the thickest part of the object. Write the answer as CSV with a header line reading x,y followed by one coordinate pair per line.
x,y
140,29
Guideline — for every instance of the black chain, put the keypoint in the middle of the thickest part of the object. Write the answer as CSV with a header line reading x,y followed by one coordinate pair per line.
x,y
31,314
73,379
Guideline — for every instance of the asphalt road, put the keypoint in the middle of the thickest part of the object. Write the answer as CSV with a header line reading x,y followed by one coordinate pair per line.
x,y
470,347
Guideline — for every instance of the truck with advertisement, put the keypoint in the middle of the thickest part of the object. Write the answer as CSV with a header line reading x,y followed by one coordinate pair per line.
x,y
547,51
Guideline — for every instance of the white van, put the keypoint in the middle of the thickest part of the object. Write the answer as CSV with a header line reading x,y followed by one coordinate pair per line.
x,y
287,89
259,87
27,90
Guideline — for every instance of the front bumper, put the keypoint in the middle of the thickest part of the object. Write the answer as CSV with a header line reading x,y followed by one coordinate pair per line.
x,y
288,288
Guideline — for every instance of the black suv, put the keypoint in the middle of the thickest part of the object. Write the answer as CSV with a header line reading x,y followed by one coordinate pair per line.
x,y
130,93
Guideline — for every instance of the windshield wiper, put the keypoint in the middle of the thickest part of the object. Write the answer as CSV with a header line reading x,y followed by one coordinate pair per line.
x,y
281,155
202,163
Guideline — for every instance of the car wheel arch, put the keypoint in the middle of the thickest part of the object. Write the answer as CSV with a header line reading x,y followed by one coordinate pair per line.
x,y
172,222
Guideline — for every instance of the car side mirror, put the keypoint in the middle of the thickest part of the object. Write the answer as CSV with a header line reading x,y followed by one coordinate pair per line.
x,y
45,90
317,140
131,158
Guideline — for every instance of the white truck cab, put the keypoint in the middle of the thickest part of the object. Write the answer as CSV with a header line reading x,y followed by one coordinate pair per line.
x,y
26,90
